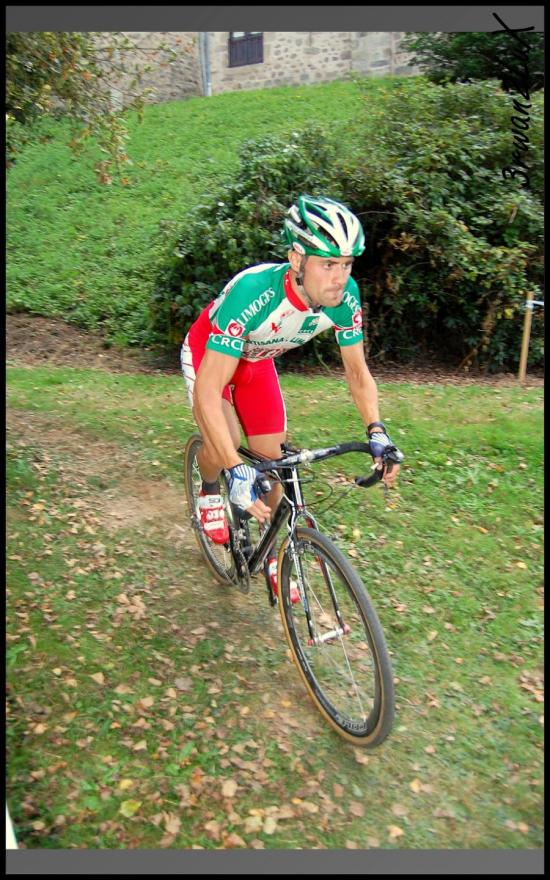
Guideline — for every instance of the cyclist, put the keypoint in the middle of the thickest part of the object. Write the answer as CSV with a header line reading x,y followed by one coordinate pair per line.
x,y
227,355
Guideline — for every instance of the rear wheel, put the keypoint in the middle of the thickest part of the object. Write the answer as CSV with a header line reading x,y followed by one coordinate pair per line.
x,y
218,557
335,639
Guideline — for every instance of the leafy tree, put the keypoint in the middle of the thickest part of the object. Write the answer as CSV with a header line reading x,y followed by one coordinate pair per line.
x,y
72,75
452,57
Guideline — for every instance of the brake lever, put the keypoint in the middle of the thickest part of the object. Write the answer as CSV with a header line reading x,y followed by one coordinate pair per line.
x,y
375,477
262,485
392,456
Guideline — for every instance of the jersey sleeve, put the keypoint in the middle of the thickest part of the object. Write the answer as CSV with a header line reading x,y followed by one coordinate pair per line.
x,y
233,317
348,317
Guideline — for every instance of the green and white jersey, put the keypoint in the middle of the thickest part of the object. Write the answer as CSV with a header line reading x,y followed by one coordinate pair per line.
x,y
258,315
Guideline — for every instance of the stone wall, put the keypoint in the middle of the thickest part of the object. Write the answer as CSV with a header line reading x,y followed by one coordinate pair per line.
x,y
295,58
171,79
375,53
290,58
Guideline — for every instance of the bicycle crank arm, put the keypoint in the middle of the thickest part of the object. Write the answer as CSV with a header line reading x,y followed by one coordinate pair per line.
x,y
319,640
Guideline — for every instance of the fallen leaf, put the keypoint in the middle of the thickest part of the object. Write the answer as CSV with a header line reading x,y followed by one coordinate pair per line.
x,y
252,824
98,677
416,786
129,808
395,831
141,746
360,756
356,809
309,807
229,788
351,844
232,840
399,810
184,684
213,829
270,825
172,823
125,784
123,689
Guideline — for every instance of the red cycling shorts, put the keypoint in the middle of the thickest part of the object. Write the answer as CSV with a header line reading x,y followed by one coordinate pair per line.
x,y
254,389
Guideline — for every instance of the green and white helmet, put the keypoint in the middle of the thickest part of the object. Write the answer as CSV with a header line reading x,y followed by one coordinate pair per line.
x,y
324,228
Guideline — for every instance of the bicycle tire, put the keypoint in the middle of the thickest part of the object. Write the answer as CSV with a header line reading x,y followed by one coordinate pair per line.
x,y
365,719
218,557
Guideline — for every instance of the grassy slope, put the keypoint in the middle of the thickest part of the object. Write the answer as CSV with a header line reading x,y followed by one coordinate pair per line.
x,y
88,252
193,688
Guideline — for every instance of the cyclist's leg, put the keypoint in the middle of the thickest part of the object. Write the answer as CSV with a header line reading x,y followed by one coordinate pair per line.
x,y
261,410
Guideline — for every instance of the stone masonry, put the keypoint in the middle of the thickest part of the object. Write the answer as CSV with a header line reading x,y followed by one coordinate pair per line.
x,y
171,77
295,58
290,58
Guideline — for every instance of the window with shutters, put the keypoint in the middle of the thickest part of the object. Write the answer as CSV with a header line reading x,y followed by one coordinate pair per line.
x,y
246,47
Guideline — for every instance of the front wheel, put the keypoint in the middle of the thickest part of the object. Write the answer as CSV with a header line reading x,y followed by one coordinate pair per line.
x,y
335,638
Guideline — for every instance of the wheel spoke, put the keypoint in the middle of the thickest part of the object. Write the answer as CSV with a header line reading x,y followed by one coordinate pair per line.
x,y
341,664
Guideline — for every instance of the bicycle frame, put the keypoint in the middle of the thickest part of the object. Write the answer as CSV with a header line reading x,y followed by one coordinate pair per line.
x,y
289,508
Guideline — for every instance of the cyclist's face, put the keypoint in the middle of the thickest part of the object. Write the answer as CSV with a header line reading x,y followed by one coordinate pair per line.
x,y
326,277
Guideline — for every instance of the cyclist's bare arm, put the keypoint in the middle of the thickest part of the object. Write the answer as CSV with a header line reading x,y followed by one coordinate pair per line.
x,y
363,391
214,373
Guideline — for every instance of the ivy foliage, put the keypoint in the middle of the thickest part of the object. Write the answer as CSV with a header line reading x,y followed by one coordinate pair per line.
x,y
53,75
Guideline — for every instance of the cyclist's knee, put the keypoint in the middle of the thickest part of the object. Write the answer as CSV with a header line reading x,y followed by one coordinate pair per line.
x,y
232,423
268,445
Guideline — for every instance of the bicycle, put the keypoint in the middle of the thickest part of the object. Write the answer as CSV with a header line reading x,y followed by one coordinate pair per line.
x,y
333,631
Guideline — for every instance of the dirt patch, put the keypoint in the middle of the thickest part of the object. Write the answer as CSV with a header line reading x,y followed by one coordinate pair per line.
x,y
122,500
35,341
141,502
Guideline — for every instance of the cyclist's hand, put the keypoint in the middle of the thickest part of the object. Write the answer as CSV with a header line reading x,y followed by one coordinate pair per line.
x,y
244,491
380,444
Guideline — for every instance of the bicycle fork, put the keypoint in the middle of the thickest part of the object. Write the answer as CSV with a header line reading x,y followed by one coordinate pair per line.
x,y
342,628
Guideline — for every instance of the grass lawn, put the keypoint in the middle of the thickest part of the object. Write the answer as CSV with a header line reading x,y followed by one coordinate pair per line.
x,y
89,253
149,707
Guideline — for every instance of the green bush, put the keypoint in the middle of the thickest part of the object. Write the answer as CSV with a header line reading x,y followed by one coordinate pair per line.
x,y
472,55
238,225
452,247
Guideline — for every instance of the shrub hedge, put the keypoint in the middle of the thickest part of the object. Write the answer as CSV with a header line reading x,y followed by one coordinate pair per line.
x,y
452,246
